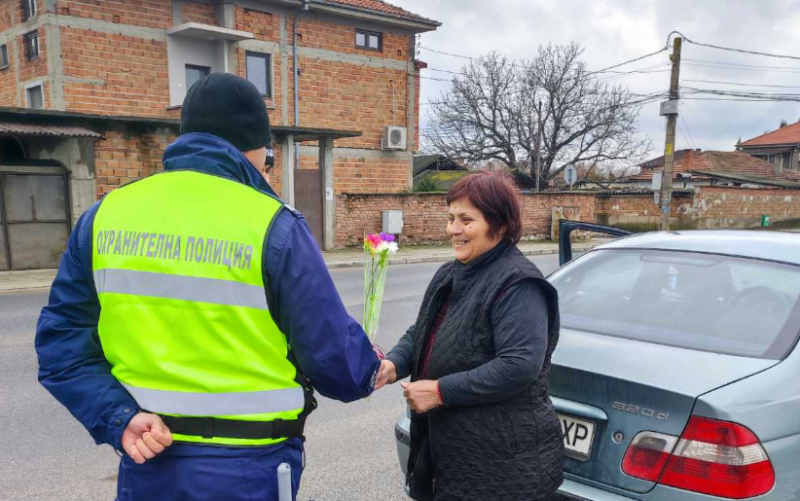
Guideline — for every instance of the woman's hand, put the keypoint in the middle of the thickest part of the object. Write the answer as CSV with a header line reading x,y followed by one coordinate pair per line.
x,y
422,396
386,375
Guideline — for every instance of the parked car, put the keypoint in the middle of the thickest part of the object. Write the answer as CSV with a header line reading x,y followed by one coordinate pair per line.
x,y
677,375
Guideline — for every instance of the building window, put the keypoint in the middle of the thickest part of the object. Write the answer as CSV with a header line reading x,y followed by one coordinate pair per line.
x,y
195,73
4,57
369,40
28,9
259,69
35,97
31,41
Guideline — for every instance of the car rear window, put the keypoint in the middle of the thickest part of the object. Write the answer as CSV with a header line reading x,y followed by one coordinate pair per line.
x,y
721,304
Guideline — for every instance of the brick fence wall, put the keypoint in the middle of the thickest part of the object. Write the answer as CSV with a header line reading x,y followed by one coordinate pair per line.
x,y
742,207
425,215
639,212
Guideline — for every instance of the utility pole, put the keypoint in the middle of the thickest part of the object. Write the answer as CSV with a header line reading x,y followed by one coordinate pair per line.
x,y
538,146
671,110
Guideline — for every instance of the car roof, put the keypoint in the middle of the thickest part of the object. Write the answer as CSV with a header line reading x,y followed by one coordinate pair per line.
x,y
767,245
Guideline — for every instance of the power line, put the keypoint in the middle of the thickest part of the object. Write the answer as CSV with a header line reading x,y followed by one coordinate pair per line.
x,y
604,70
686,126
743,68
740,84
741,51
727,63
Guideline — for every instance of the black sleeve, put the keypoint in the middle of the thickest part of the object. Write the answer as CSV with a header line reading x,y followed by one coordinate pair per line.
x,y
520,325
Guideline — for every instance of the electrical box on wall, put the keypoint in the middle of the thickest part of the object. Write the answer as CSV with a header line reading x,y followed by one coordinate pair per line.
x,y
393,222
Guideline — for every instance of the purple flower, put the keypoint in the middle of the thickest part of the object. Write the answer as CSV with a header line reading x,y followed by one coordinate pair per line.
x,y
387,237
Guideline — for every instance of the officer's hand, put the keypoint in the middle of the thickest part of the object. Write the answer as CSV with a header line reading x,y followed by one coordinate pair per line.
x,y
386,375
145,437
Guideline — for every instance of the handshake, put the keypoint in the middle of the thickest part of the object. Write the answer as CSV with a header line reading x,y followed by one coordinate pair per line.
x,y
421,396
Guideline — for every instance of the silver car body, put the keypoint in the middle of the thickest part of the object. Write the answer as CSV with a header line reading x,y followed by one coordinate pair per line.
x,y
627,386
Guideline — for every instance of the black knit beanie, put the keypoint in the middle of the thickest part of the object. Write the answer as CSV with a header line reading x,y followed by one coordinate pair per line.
x,y
229,107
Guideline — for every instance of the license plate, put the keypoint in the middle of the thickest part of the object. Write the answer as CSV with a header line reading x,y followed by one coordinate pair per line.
x,y
578,437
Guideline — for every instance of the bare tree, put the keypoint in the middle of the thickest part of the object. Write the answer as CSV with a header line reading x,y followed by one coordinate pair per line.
x,y
491,114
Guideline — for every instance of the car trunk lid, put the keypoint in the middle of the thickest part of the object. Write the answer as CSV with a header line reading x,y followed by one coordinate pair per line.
x,y
621,387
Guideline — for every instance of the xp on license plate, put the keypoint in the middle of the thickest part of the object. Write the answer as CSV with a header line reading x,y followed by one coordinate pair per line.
x,y
578,437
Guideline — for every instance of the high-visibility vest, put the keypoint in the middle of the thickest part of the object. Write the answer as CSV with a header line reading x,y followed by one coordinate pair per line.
x,y
184,321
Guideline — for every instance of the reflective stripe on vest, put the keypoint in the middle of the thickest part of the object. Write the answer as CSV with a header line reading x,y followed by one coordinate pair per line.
x,y
217,404
184,321
164,285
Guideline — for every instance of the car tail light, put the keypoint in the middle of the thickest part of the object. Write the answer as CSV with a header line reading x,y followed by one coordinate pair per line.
x,y
712,457
648,454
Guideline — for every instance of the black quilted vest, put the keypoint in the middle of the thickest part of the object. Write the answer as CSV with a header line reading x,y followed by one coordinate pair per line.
x,y
512,450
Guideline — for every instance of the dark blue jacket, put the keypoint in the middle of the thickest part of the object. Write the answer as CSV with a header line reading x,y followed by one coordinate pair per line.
x,y
330,346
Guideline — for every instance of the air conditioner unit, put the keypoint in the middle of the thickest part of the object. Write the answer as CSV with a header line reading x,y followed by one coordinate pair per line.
x,y
394,138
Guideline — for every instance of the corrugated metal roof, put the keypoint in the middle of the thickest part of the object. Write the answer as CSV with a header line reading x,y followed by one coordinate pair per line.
x,y
20,129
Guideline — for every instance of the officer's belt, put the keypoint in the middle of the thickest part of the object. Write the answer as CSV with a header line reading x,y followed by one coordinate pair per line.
x,y
208,427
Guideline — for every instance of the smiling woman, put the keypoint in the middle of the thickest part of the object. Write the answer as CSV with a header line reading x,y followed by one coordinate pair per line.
x,y
482,425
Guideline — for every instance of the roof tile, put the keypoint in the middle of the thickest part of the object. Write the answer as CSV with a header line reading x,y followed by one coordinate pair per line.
x,y
379,6
722,161
785,135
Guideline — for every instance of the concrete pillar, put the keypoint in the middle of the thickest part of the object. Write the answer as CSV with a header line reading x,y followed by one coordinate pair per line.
x,y
287,170
329,202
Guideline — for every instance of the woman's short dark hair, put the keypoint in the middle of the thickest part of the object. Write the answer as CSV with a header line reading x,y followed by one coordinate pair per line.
x,y
495,195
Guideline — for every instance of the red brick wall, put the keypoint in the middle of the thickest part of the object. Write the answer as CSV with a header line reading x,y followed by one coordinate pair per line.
x,y
6,8
319,34
638,212
196,12
425,215
33,69
134,70
151,13
352,97
742,207
355,174
124,156
264,25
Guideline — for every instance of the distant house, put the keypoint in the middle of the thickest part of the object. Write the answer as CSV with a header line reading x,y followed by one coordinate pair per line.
x,y
781,148
710,168
437,169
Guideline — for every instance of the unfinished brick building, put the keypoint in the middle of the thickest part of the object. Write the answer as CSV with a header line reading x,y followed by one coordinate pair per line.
x,y
90,94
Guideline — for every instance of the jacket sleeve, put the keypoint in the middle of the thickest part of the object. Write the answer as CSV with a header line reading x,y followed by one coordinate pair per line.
x,y
72,366
402,355
520,324
330,347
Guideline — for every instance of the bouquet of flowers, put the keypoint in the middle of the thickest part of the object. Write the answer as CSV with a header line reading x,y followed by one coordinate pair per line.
x,y
377,249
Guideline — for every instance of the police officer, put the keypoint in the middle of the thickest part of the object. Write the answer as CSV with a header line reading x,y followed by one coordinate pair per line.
x,y
192,315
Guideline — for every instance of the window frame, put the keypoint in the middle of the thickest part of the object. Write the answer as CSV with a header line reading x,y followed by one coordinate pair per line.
x,y
30,88
28,10
28,42
188,66
367,34
270,77
5,61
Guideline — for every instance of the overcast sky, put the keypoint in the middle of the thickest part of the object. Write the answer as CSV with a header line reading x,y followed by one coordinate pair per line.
x,y
613,31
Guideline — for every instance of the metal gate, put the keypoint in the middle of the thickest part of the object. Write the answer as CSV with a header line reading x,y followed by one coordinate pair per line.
x,y
35,219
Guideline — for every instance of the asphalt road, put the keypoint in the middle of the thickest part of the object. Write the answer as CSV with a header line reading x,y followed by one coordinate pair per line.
x,y
45,455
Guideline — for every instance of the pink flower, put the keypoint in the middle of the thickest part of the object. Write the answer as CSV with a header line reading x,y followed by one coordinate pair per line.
x,y
374,241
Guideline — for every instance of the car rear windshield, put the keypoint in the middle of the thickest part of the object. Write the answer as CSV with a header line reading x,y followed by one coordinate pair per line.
x,y
720,304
